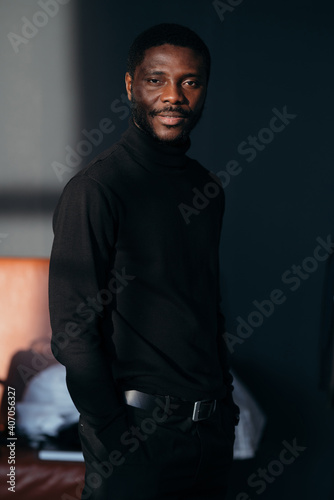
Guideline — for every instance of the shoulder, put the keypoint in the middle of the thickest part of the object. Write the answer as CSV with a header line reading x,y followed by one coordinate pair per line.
x,y
106,166
89,187
101,173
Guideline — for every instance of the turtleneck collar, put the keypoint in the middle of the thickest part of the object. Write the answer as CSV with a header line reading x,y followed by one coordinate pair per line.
x,y
152,154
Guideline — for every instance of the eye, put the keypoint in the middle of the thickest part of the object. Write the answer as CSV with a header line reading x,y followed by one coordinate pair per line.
x,y
153,80
192,83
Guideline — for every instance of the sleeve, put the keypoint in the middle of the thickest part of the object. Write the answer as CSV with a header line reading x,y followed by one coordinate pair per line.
x,y
221,344
80,266
227,376
223,356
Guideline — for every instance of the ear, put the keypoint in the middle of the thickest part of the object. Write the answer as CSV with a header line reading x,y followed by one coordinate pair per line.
x,y
128,85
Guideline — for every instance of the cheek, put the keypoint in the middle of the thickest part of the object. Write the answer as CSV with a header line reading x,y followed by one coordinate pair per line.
x,y
143,97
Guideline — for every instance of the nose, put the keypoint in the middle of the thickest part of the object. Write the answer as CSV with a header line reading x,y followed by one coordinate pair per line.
x,y
173,94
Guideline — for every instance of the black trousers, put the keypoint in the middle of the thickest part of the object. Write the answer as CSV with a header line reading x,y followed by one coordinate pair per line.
x,y
167,457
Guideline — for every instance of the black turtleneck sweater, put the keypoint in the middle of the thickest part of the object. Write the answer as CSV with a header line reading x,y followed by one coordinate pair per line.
x,y
134,280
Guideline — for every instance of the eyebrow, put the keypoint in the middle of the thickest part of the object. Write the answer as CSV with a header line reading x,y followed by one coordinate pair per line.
x,y
187,75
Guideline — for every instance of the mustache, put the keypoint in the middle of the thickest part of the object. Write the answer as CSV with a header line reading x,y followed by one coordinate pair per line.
x,y
177,111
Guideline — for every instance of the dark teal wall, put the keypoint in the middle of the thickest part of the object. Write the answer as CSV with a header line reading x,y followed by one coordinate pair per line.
x,y
267,56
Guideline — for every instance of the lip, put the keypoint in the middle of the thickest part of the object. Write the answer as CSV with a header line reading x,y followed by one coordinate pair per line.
x,y
170,119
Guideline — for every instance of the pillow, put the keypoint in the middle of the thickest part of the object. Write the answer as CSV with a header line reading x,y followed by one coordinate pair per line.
x,y
46,407
252,421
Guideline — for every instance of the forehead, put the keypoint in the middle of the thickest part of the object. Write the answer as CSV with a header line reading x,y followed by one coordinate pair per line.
x,y
170,57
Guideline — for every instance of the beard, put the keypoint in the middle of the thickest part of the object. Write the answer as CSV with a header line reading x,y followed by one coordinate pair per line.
x,y
140,117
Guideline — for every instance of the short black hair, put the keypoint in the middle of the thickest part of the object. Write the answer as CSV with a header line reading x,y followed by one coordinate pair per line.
x,y
173,34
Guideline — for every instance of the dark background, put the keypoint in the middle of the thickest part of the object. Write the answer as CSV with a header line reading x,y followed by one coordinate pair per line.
x,y
265,55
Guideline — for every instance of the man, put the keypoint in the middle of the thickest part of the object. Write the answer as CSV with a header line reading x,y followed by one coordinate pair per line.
x,y
134,292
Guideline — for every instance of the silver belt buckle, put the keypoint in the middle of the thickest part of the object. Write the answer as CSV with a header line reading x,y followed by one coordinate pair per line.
x,y
197,408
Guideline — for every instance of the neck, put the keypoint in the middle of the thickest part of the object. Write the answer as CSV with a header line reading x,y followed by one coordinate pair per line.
x,y
154,154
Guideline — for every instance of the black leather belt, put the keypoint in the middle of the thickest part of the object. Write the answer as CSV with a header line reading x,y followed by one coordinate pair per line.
x,y
198,410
